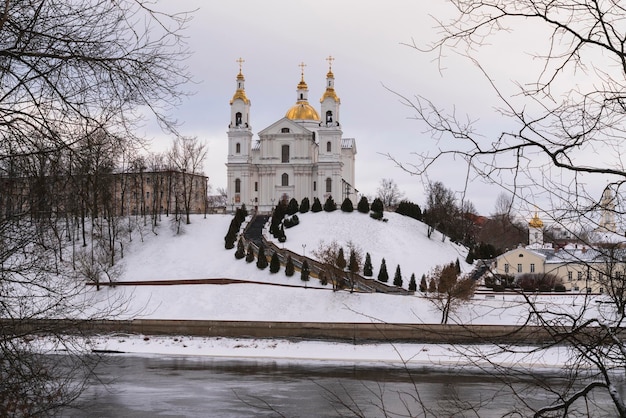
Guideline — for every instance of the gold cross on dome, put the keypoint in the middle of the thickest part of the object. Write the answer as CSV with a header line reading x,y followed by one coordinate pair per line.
x,y
240,61
302,65
330,60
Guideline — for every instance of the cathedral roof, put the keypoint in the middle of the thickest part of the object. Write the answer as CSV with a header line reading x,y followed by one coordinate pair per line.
x,y
240,93
302,110
330,92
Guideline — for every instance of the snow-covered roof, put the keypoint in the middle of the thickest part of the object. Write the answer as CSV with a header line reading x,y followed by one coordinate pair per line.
x,y
579,254
607,237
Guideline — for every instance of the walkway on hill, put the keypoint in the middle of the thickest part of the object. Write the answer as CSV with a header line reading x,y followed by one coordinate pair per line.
x,y
254,232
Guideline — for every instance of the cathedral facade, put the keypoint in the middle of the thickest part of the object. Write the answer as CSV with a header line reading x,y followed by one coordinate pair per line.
x,y
300,155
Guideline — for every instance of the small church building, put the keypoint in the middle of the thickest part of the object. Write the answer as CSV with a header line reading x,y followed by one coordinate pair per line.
x,y
300,155
597,266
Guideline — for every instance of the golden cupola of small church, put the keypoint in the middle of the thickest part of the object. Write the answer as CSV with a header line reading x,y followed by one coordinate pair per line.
x,y
535,222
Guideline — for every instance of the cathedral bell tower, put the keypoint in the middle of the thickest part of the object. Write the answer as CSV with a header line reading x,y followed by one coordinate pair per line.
x,y
240,104
607,211
330,101
331,160
239,144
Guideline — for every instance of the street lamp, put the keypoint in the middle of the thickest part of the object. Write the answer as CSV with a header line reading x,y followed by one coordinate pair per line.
x,y
206,195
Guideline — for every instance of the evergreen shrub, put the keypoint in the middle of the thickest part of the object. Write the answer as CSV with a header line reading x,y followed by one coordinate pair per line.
x,y
305,205
364,205
317,205
330,205
347,206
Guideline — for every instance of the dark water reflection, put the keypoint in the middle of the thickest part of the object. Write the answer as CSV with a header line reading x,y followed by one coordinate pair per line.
x,y
209,387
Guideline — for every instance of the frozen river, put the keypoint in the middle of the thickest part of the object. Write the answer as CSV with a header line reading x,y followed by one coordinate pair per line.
x,y
210,387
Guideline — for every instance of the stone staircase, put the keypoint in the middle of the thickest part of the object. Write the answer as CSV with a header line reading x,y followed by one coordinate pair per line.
x,y
254,231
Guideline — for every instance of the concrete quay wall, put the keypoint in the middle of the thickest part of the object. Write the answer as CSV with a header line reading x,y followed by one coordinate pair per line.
x,y
356,332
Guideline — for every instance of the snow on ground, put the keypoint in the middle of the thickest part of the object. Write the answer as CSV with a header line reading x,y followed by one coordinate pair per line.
x,y
199,253
385,354
400,240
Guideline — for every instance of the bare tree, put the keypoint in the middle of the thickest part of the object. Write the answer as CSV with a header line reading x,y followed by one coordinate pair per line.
x,y
76,79
328,256
560,142
389,193
503,206
354,263
502,230
451,291
441,209
187,156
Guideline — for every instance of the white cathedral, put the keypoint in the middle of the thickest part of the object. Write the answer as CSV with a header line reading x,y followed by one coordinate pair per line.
x,y
300,155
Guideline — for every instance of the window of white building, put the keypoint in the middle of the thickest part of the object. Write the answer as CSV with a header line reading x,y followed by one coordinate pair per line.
x,y
285,153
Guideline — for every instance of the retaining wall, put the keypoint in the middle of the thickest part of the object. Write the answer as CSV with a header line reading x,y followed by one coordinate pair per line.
x,y
357,332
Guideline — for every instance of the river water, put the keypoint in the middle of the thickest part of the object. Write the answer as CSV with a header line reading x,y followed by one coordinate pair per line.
x,y
211,387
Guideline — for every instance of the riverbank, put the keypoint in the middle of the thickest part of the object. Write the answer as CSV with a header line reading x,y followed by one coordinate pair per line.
x,y
445,357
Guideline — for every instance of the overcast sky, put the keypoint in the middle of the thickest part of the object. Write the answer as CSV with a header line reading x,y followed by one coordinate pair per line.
x,y
366,39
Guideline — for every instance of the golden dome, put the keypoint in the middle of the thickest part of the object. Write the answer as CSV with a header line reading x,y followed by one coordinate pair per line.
x,y
535,222
302,110
240,94
330,92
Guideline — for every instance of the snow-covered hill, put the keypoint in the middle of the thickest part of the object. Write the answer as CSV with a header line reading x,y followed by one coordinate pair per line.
x,y
400,240
199,253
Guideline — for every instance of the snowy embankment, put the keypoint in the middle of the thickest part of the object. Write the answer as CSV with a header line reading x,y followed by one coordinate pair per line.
x,y
437,356
199,253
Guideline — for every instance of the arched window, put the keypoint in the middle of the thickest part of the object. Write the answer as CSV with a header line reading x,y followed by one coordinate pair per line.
x,y
237,118
329,116
329,185
237,186
284,181
329,146
285,153
284,130
238,148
